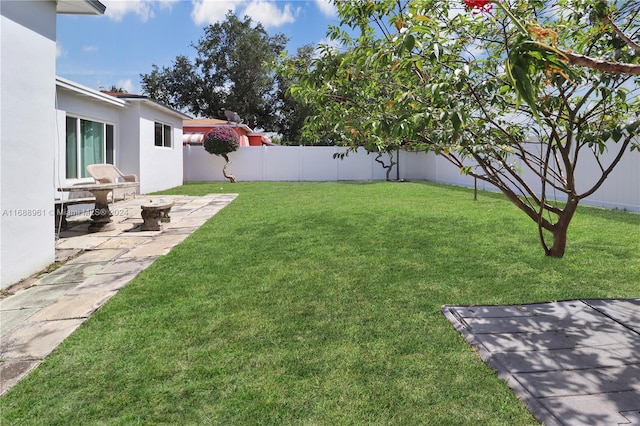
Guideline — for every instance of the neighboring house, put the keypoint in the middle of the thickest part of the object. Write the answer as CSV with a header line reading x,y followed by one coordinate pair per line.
x,y
195,129
136,134
27,132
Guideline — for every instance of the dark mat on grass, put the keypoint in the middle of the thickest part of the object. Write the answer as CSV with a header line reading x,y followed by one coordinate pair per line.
x,y
573,362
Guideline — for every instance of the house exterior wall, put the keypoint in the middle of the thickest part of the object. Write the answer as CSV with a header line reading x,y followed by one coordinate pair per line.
x,y
27,96
160,167
255,140
243,133
204,129
157,168
128,155
83,107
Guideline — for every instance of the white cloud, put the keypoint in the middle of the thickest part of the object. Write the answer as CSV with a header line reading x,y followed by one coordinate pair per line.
x,y
166,4
269,14
327,8
328,45
89,49
211,11
126,85
266,12
117,9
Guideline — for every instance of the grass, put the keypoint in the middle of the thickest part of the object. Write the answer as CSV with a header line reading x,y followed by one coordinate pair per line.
x,y
319,304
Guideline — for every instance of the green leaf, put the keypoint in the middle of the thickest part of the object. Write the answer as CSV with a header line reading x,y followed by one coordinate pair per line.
x,y
622,95
456,120
522,84
409,42
535,54
616,134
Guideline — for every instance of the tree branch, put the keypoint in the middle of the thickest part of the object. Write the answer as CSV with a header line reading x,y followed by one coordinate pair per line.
x,y
600,65
635,46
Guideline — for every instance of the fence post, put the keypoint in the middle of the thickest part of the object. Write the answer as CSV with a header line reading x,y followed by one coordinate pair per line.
x,y
475,188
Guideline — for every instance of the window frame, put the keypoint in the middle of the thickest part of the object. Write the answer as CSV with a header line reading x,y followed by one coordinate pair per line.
x,y
164,131
108,146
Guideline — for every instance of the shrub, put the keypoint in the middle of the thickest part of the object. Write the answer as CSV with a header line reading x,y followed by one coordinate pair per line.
x,y
221,140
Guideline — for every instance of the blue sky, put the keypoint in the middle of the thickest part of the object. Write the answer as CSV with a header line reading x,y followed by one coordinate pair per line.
x,y
114,49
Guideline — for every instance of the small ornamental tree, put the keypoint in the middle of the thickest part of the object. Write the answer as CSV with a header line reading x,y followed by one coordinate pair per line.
x,y
379,150
221,141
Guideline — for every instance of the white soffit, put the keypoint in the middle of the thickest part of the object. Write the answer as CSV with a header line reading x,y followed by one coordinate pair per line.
x,y
80,7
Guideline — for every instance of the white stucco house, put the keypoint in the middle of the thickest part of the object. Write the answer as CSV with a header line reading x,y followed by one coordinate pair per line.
x,y
133,132
43,118
28,124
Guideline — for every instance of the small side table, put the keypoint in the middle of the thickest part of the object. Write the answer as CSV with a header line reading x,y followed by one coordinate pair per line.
x,y
101,217
154,212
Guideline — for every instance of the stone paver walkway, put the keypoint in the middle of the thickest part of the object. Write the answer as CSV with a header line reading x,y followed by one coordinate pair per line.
x,y
572,363
44,310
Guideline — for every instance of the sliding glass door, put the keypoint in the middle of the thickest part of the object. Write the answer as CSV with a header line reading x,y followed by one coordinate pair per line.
x,y
87,142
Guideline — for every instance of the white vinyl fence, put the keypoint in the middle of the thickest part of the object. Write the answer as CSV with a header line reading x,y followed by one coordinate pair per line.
x,y
621,190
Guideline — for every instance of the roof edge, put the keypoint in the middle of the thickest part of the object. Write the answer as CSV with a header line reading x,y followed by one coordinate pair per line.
x,y
154,103
82,7
86,91
198,122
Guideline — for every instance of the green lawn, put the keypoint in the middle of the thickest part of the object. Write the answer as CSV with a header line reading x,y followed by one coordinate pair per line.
x,y
319,304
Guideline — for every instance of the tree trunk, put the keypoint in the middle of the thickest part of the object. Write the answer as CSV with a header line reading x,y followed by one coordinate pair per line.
x,y
384,166
559,242
231,178
560,228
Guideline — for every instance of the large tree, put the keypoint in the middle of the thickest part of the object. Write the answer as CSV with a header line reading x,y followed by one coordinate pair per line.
x,y
291,113
451,80
232,69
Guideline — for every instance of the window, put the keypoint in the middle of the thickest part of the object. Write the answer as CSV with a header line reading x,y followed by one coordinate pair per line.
x,y
162,134
88,142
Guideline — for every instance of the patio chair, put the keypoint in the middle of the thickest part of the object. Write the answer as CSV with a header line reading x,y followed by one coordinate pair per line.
x,y
108,173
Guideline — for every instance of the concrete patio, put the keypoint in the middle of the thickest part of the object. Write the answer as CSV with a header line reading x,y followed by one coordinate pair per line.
x,y
39,313
573,362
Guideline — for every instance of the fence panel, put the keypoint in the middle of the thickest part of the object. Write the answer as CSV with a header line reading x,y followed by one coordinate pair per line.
x,y
621,190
